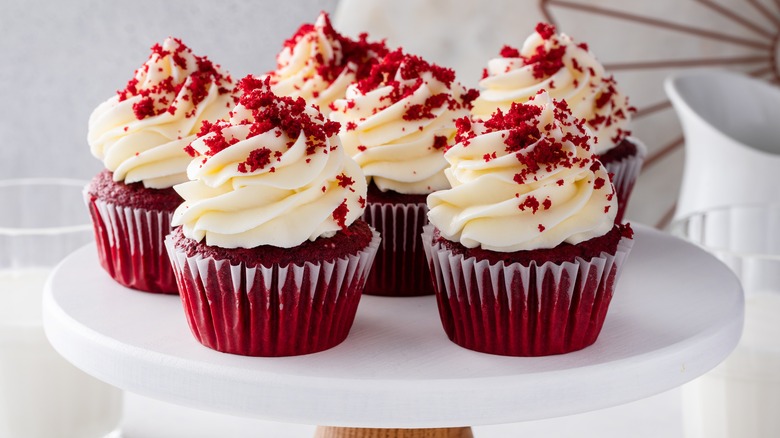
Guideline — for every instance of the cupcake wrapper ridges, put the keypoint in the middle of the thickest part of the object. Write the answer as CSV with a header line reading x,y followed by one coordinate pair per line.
x,y
271,311
514,310
400,268
130,245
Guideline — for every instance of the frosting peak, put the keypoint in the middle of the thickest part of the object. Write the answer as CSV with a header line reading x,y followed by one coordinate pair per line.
x,y
273,174
140,133
397,121
567,71
317,63
524,179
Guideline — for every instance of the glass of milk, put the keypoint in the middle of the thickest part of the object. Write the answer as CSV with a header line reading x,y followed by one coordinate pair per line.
x,y
41,394
741,396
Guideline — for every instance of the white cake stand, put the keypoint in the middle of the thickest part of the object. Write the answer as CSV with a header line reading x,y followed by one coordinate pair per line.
x,y
676,314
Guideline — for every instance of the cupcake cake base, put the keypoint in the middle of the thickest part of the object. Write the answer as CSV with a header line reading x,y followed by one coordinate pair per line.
x,y
527,303
269,301
130,224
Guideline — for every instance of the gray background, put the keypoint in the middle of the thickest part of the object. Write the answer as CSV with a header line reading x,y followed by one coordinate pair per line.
x,y
59,60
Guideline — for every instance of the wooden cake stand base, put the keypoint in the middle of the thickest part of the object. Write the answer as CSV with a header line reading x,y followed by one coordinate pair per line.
x,y
355,432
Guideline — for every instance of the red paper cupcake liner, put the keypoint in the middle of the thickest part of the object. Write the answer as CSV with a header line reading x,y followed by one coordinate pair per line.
x,y
514,310
400,268
271,311
130,244
624,175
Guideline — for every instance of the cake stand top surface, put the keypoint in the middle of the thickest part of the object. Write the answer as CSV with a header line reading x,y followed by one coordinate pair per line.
x,y
677,312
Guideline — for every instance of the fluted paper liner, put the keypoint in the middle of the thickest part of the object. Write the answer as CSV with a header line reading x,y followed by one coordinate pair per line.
x,y
130,244
514,310
400,268
271,311
624,175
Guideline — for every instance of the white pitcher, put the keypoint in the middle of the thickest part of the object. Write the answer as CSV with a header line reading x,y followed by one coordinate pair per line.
x,y
731,124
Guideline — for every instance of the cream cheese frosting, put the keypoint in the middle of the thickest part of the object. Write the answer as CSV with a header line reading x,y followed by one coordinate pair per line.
x,y
140,133
318,63
567,71
397,122
273,174
524,179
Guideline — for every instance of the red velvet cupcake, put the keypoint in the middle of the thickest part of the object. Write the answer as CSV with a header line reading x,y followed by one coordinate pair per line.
x,y
524,250
140,135
568,71
270,258
396,123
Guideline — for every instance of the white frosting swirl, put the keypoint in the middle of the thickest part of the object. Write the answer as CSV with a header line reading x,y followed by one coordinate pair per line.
x,y
318,64
567,71
272,188
383,130
140,133
501,201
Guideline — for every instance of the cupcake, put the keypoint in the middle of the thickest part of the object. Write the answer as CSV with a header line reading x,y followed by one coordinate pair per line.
x,y
140,135
568,71
396,123
318,63
524,250
269,253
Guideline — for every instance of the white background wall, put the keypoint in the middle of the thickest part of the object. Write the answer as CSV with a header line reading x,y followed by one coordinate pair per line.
x,y
60,59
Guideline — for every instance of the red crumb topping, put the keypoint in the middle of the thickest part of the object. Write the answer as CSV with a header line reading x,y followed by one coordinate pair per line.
x,y
530,202
269,112
541,228
408,68
258,159
465,132
425,110
439,142
545,30
362,148
163,97
544,62
469,97
509,52
340,215
526,141
357,55
599,183
344,180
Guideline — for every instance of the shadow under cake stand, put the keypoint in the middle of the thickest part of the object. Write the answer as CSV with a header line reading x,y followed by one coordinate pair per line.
x,y
676,314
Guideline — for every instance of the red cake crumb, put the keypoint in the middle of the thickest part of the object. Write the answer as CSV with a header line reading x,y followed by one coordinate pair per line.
x,y
257,159
410,68
133,195
340,215
564,252
439,142
545,30
346,242
509,52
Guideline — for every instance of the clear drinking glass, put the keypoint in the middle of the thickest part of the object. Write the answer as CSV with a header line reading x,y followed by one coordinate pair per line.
x,y
741,397
41,394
